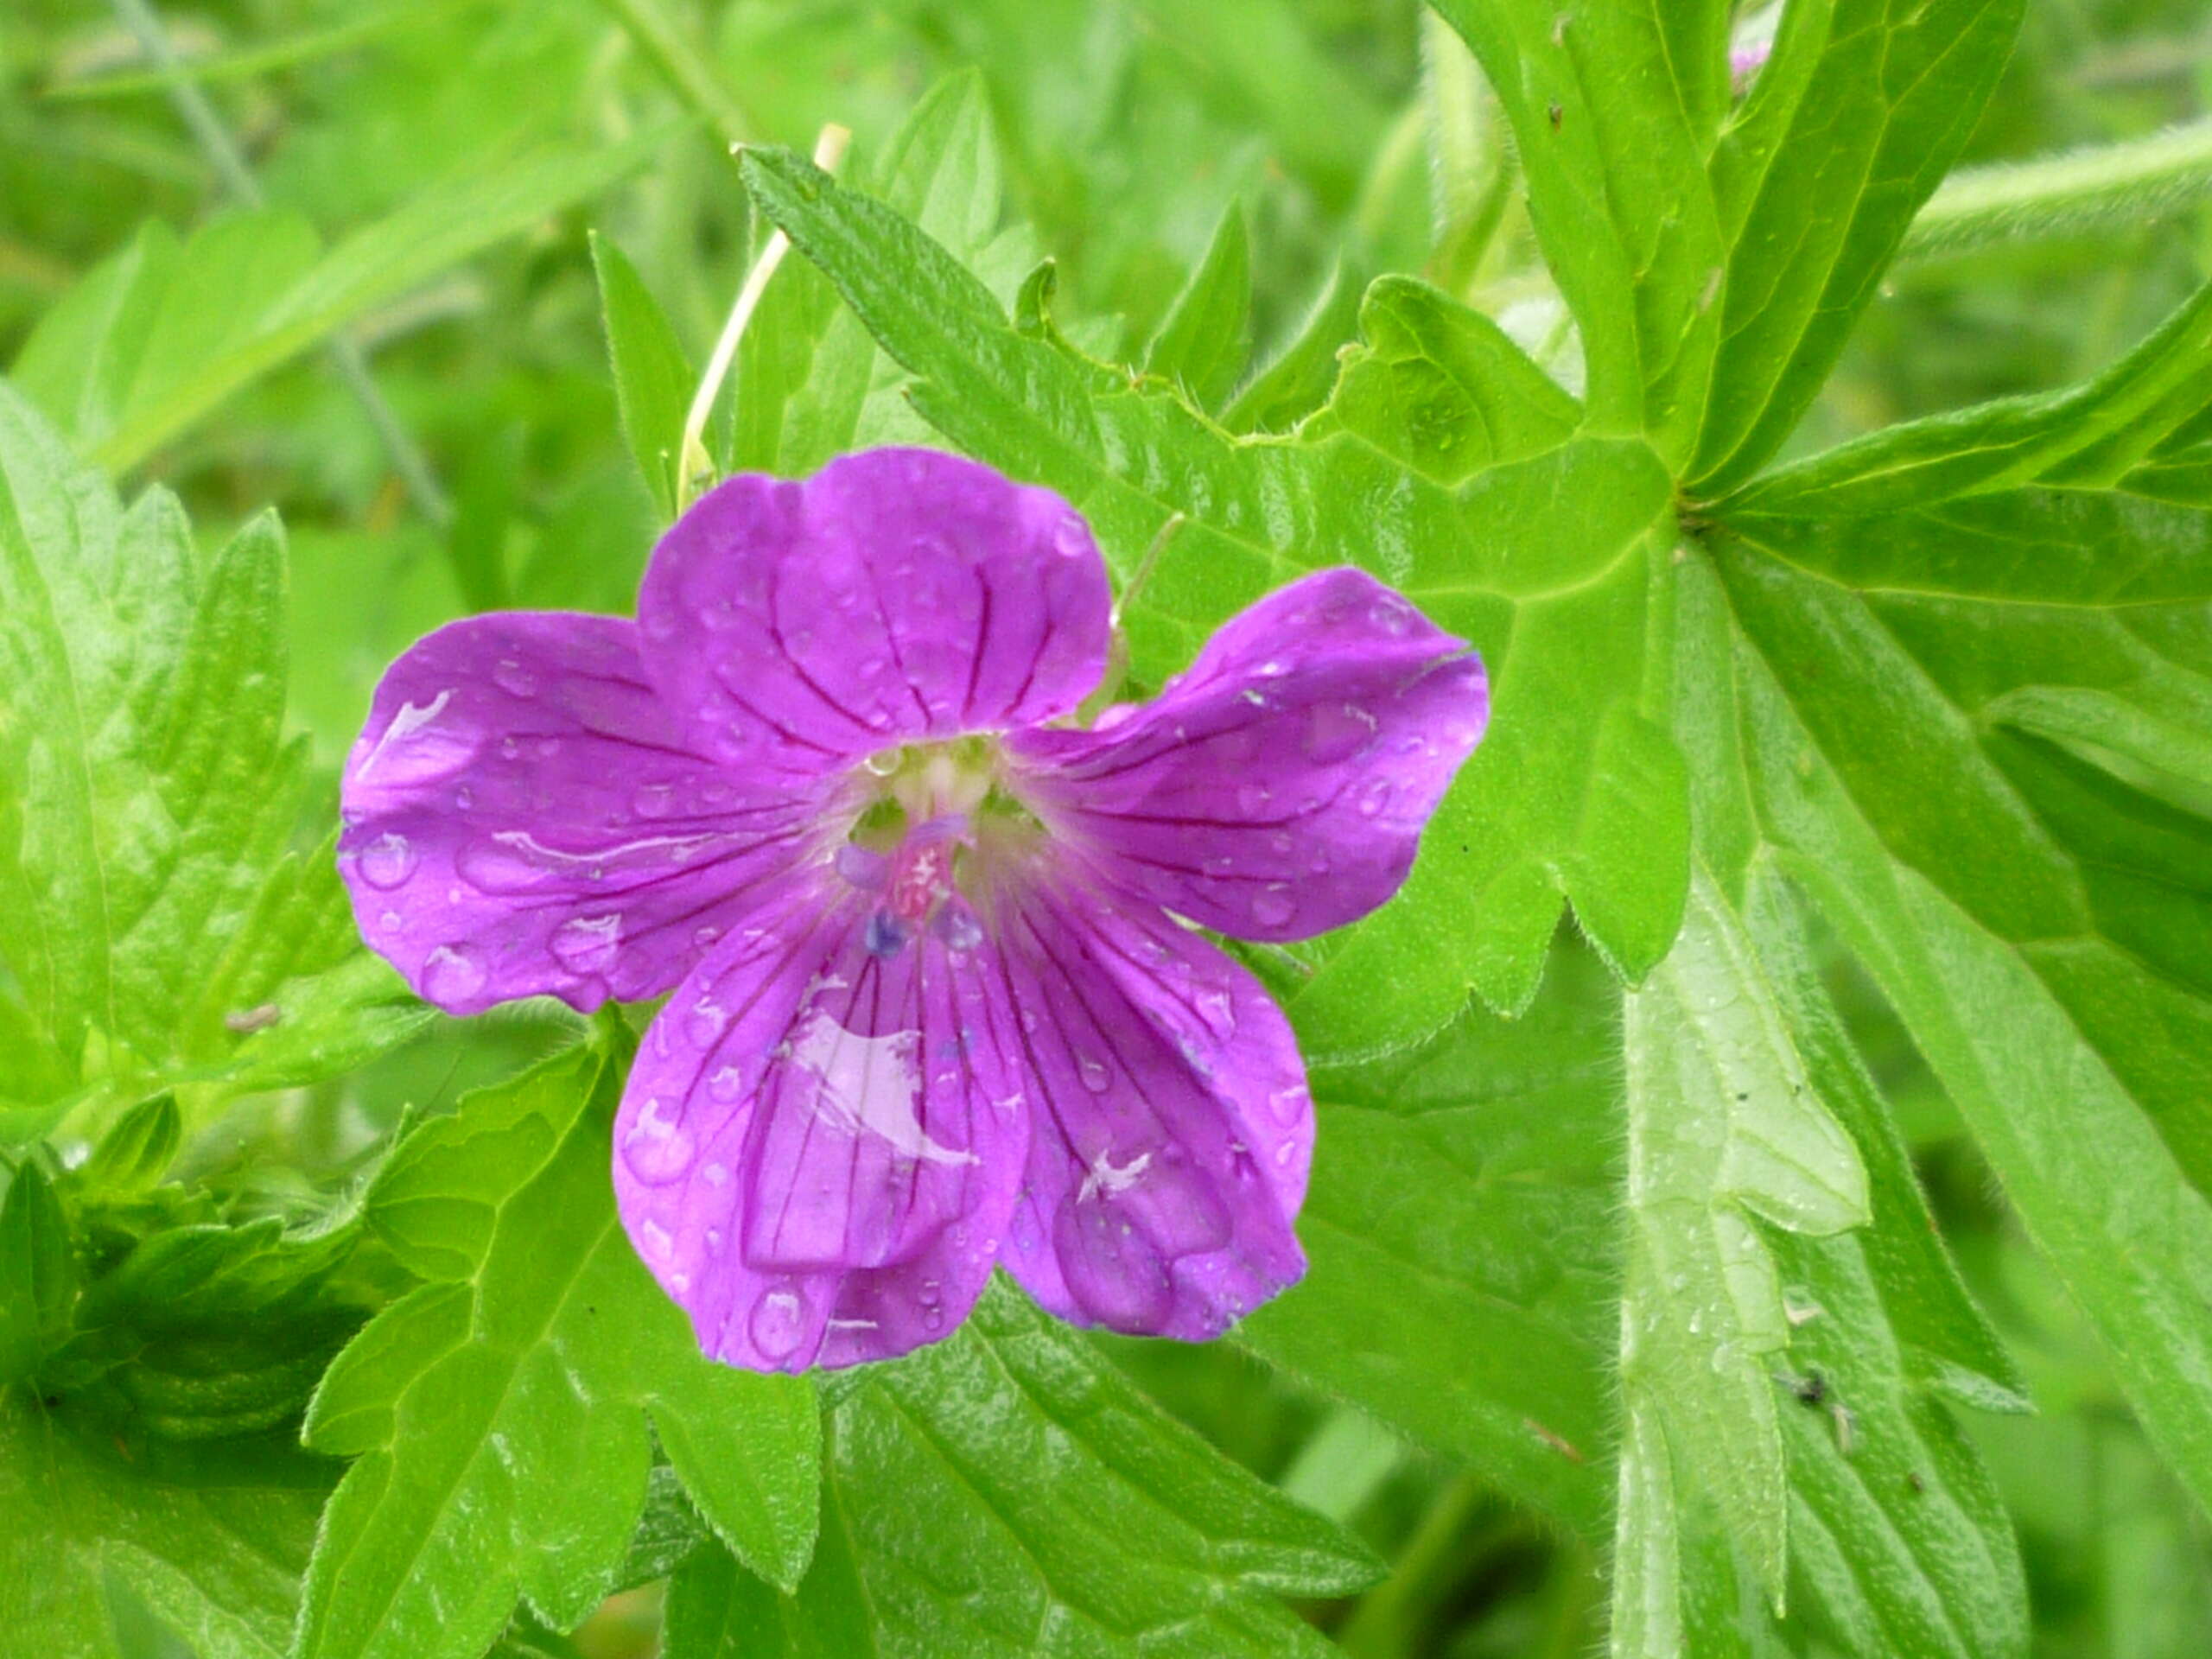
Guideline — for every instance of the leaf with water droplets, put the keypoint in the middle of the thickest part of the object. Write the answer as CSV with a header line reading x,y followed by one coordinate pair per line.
x,y
1007,1492
499,1414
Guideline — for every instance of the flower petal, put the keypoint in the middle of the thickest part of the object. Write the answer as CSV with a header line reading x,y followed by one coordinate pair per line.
x,y
1170,1125
523,817
897,593
1278,788
819,1146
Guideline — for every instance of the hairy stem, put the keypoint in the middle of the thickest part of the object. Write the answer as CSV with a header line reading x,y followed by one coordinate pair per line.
x,y
2071,195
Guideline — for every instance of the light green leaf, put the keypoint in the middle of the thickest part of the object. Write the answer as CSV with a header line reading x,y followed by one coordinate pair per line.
x,y
1441,388
1614,108
498,1415
1206,337
652,376
1463,1244
1725,1129
211,1538
1007,1492
1847,129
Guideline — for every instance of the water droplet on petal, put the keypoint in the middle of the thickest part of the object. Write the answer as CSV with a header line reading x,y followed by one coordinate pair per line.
x,y
463,798
588,945
1273,906
386,861
1251,799
653,800
1285,1152
704,1023
726,1085
657,1240
655,1145
512,677
1336,732
451,975
1218,1009
1095,1073
1289,1106
1375,798
778,1322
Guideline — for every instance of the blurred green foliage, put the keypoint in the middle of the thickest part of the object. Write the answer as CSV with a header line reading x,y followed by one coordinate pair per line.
x,y
1204,177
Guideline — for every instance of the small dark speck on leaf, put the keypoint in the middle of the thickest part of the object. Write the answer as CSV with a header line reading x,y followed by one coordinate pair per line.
x,y
247,1020
1914,1481
1556,114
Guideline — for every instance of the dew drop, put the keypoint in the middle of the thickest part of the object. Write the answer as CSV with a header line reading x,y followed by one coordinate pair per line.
x,y
1273,906
726,1085
657,1240
1336,732
512,677
655,1145
778,1323
717,1175
704,1023
881,764
463,798
713,1239
1285,1152
510,747
1253,798
588,945
1218,1009
1289,1106
1094,1072
653,800
450,975
1375,798
386,861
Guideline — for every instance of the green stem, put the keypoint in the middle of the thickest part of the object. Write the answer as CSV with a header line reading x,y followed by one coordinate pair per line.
x,y
2072,195
230,165
683,66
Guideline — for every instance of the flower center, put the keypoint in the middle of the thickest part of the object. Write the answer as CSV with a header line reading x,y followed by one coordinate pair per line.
x,y
936,818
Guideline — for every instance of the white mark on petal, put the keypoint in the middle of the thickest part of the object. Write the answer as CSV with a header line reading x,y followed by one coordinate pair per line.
x,y
869,1084
1105,1178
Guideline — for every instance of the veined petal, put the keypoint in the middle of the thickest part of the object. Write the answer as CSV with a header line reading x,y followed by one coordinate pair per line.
x,y
819,1145
524,816
1278,788
895,595
1170,1126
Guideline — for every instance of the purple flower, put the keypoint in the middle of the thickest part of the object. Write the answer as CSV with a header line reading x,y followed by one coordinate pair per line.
x,y
933,1007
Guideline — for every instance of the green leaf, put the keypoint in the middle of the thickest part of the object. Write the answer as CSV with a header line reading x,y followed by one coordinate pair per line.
x,y
1440,388
2033,919
1547,563
812,385
1297,381
1725,1129
1206,337
2087,435
498,1415
38,1279
1614,108
1463,1241
1848,129
652,376
1007,1491
210,1538
159,928
243,301
138,1152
